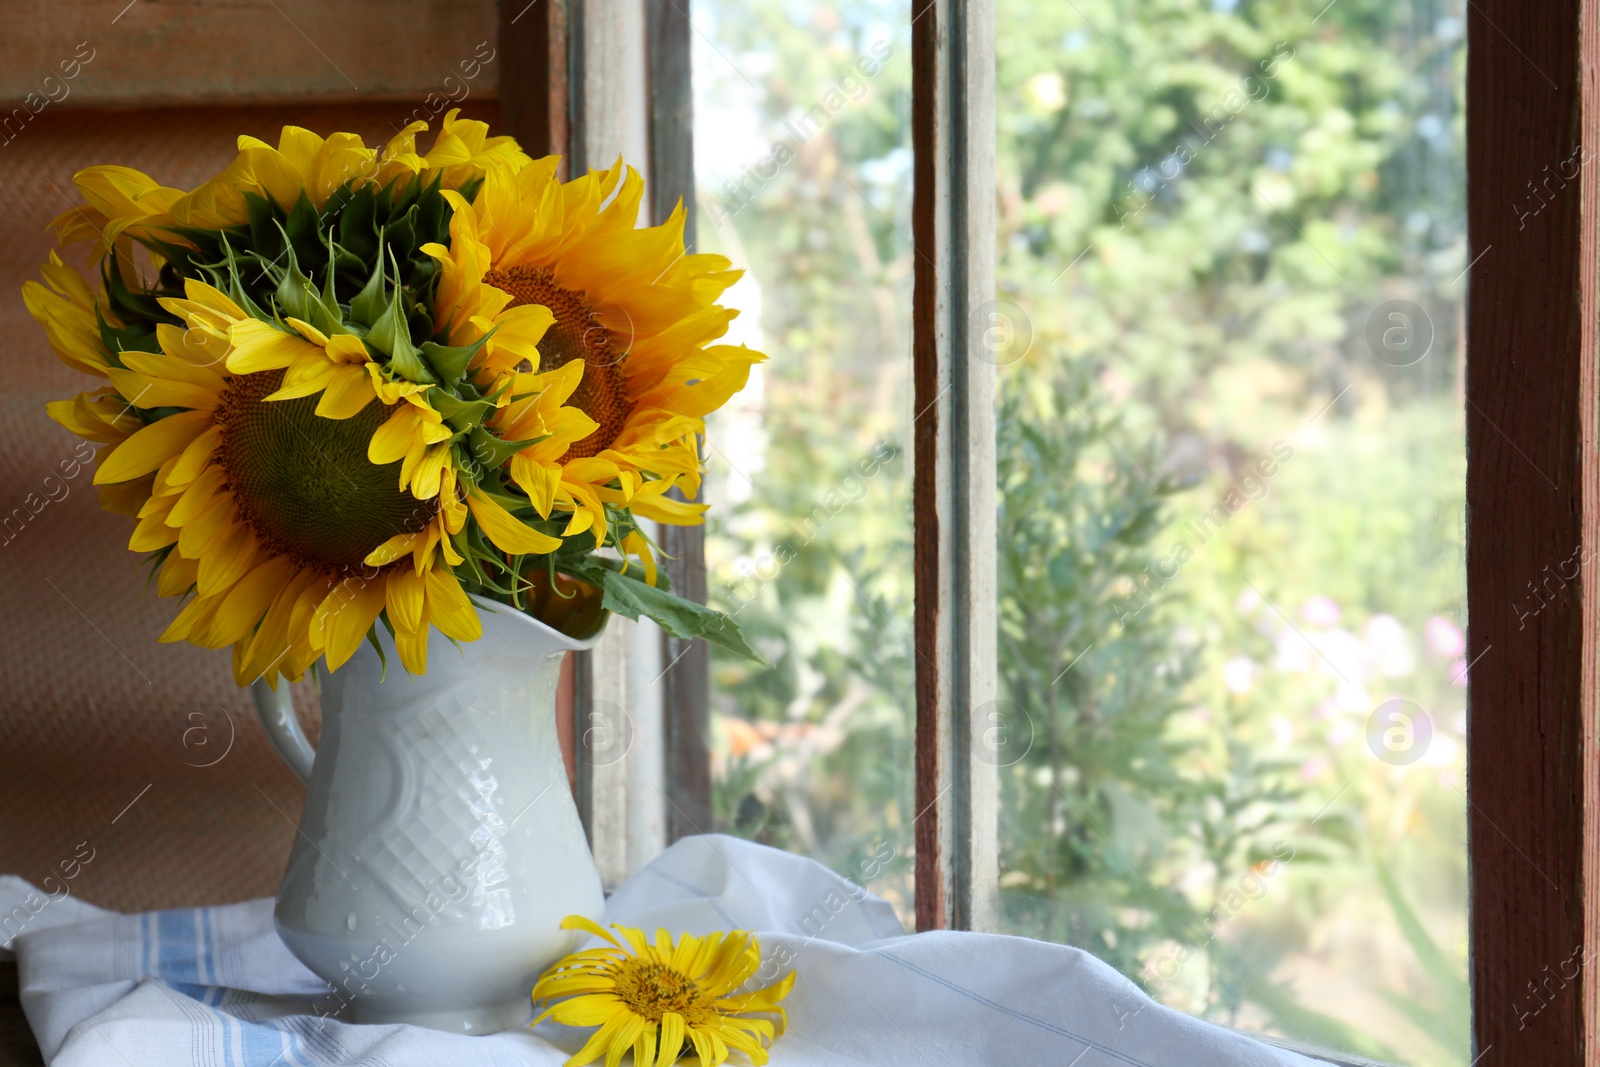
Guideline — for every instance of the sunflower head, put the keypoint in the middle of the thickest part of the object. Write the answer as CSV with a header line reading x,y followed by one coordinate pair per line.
x,y
664,999
355,386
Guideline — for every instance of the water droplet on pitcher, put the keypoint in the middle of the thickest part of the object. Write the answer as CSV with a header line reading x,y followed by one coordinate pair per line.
x,y
350,921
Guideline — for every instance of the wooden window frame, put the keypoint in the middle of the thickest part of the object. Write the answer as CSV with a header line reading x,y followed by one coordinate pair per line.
x,y
1533,478
1532,758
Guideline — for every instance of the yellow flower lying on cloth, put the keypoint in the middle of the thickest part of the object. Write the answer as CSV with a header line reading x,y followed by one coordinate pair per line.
x,y
658,999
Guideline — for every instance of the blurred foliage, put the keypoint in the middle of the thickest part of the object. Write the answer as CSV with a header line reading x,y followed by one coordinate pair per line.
x,y
1202,205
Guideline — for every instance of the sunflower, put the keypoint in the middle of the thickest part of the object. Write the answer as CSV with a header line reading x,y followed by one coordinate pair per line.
x,y
660,1000
634,321
123,203
325,413
268,506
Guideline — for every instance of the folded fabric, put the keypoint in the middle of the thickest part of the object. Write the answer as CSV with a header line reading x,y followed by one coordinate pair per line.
x,y
215,987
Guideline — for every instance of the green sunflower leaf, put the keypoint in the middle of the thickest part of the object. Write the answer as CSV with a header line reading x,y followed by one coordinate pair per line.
x,y
632,597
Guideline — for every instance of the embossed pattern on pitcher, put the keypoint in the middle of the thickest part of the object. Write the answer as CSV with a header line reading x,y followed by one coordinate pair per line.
x,y
440,847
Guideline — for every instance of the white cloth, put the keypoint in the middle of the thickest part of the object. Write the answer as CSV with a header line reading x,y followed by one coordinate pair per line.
x,y
215,987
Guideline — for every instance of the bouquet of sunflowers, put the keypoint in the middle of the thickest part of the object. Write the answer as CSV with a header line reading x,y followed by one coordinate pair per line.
x,y
349,387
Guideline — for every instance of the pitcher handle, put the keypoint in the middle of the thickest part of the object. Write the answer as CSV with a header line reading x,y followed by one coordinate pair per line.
x,y
276,709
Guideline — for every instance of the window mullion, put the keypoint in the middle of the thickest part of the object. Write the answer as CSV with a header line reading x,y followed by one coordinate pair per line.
x,y
953,436
621,767
686,672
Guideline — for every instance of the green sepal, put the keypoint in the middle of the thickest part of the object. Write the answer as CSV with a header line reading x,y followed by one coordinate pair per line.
x,y
330,289
433,214
377,646
391,334
127,304
266,240
400,234
462,415
297,295
490,451
301,231
119,339
235,288
358,225
450,362
368,304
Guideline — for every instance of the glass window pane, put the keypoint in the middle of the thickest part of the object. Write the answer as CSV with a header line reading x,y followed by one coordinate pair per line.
x,y
802,156
1231,535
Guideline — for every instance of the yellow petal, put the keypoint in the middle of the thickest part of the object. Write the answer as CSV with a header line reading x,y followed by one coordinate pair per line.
x,y
346,615
224,564
393,439
201,535
150,534
198,497
347,394
178,573
194,458
413,649
196,614
150,391
152,446
392,549
449,609
248,600
405,597
258,346
506,531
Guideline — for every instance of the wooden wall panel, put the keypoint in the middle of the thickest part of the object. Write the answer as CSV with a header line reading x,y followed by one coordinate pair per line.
x,y
218,51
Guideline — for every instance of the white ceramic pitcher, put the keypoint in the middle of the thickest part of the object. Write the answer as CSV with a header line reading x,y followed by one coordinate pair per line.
x,y
440,847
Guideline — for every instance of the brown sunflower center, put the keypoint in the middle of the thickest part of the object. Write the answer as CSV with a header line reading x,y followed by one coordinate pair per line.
x,y
653,989
304,483
576,334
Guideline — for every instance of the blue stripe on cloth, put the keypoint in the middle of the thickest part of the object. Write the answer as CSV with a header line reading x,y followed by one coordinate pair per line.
x,y
226,1022
213,972
202,951
1019,1016
697,891
199,993
146,926
177,959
